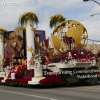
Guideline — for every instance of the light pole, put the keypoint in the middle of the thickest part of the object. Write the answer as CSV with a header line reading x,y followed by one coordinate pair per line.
x,y
95,14
93,1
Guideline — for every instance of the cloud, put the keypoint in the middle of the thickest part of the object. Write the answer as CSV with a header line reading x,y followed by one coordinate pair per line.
x,y
70,9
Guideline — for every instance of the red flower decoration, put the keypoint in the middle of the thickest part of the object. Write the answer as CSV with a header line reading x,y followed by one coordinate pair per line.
x,y
51,79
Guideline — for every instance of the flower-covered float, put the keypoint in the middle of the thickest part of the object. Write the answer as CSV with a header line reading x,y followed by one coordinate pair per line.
x,y
65,61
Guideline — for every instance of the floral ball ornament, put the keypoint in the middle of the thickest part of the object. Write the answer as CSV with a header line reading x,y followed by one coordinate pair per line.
x,y
69,33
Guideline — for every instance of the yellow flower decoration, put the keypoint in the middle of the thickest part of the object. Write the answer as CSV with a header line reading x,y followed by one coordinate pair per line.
x,y
20,28
2,30
57,18
30,49
26,16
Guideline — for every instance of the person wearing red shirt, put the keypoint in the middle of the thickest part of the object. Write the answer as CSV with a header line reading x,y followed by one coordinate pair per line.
x,y
15,70
23,63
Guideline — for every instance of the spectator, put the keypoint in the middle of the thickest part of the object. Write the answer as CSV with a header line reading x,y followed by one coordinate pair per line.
x,y
23,62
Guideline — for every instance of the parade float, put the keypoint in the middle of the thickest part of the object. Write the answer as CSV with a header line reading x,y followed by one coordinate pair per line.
x,y
65,60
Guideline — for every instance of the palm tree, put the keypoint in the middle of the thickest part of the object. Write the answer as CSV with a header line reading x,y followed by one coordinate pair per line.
x,y
28,16
29,19
56,19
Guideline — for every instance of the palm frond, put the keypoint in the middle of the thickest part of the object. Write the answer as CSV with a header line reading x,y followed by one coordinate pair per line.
x,y
56,19
2,30
26,16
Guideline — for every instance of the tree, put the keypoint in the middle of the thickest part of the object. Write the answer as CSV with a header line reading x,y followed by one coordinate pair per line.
x,y
55,19
29,19
28,16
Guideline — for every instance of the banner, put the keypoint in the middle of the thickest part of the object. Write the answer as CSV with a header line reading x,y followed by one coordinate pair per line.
x,y
39,39
14,44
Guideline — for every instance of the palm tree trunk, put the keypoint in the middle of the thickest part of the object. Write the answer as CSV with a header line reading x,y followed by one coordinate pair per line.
x,y
29,41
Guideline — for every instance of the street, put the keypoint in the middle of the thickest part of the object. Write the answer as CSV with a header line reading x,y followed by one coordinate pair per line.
x,y
58,93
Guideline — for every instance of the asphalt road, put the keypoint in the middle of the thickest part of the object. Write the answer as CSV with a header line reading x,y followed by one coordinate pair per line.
x,y
58,93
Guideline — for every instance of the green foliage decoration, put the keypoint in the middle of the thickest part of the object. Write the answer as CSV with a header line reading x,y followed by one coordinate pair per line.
x,y
28,16
2,30
57,18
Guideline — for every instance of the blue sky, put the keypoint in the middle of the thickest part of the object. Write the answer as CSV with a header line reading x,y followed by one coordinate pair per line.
x,y
70,9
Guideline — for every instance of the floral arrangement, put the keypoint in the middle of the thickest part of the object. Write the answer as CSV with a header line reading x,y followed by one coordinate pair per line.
x,y
21,80
20,28
1,59
6,62
27,77
81,55
35,60
31,61
2,30
98,53
57,16
28,16
55,19
51,79
1,78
